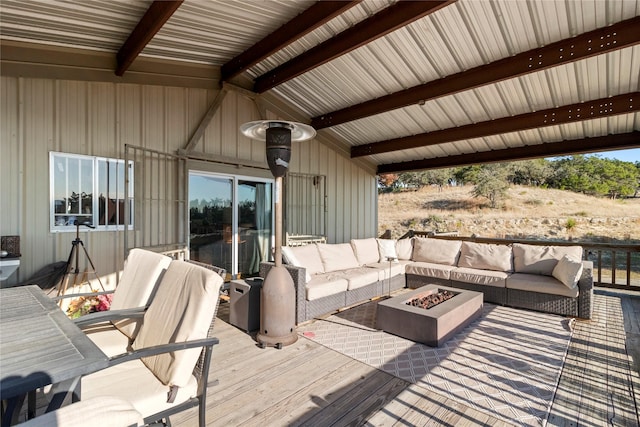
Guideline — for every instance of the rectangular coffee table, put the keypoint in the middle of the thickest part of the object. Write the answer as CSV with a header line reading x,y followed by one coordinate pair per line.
x,y
431,326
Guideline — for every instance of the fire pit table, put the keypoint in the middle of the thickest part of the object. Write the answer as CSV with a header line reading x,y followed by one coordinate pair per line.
x,y
432,326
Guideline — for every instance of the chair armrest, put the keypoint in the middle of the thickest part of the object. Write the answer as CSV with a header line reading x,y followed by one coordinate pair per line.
x,y
109,315
84,294
160,349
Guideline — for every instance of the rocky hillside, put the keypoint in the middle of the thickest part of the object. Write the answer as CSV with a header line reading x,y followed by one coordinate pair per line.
x,y
526,213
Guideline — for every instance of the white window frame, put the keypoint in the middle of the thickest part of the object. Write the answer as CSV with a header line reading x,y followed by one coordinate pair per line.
x,y
94,215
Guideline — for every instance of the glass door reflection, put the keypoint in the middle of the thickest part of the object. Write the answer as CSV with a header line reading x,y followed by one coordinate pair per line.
x,y
231,222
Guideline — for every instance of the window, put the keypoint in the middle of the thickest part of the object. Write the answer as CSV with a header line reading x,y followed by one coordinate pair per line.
x,y
75,179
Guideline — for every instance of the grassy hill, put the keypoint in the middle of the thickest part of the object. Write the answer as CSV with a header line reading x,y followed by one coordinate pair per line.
x,y
528,212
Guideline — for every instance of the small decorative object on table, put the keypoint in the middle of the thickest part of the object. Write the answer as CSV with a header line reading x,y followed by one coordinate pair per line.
x,y
89,304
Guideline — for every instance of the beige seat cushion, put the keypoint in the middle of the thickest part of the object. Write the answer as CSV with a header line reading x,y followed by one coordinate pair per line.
x,y
360,277
105,411
139,279
387,268
539,283
366,250
336,257
133,382
182,310
429,269
486,256
324,285
535,259
436,251
479,277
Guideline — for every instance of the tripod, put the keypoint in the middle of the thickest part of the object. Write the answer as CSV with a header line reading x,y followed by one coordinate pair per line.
x,y
72,266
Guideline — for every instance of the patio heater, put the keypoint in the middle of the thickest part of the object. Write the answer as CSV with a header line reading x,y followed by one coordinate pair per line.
x,y
278,297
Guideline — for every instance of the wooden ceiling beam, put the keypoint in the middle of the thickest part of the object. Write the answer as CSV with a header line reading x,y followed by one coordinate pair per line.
x,y
602,40
575,146
315,16
380,24
599,108
150,23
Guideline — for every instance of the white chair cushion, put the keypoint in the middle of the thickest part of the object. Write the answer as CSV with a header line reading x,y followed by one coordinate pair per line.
x,y
535,259
486,256
139,279
108,338
105,411
126,382
182,310
288,257
366,250
568,271
337,257
436,251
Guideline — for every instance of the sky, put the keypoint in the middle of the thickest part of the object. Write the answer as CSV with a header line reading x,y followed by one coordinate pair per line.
x,y
632,155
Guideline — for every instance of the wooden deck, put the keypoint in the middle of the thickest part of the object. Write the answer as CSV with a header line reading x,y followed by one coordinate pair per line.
x,y
308,384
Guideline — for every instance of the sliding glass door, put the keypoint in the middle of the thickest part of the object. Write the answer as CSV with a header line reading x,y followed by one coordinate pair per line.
x,y
231,221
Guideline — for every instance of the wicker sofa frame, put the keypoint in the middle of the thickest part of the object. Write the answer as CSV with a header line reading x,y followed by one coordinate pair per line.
x,y
307,310
581,306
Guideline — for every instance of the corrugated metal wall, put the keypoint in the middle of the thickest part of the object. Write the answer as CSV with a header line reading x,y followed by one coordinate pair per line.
x,y
93,118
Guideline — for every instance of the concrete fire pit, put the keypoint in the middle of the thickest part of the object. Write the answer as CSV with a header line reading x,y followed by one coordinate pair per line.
x,y
431,326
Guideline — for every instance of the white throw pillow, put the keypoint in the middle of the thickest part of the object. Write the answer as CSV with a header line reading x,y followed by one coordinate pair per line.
x,y
568,271
404,248
387,249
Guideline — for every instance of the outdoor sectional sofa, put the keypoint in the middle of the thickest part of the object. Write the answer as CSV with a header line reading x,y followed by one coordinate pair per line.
x,y
329,277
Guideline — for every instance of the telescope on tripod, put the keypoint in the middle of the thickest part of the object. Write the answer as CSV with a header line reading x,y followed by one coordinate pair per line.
x,y
72,267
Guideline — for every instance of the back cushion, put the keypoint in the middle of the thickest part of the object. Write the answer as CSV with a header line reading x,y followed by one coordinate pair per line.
x,y
486,256
140,277
387,249
306,256
535,259
182,310
366,250
338,256
404,248
436,251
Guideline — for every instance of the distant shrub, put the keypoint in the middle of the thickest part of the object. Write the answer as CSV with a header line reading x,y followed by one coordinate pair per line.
x,y
570,224
534,202
581,213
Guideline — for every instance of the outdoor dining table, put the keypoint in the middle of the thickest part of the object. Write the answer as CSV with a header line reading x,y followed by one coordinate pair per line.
x,y
40,345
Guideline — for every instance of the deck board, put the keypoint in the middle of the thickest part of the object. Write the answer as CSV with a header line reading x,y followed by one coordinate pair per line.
x,y
306,384
269,387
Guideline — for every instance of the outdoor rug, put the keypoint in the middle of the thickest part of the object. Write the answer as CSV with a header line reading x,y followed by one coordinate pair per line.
x,y
506,363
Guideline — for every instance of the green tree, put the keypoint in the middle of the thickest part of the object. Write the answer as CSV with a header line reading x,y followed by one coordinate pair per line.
x,y
491,182
530,172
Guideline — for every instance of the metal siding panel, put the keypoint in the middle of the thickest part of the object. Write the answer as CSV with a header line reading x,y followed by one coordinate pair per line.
x,y
10,157
102,119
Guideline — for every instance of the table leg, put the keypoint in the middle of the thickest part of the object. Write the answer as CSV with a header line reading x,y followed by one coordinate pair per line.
x,y
11,410
60,391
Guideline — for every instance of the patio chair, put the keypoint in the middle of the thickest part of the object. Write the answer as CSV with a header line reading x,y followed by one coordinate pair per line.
x,y
106,411
167,369
142,272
